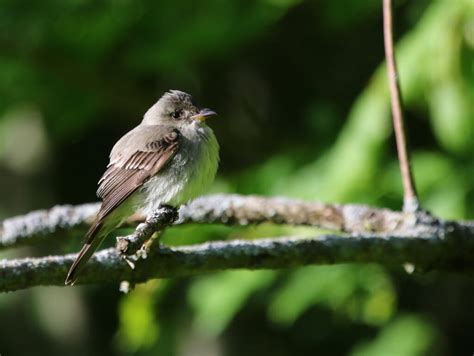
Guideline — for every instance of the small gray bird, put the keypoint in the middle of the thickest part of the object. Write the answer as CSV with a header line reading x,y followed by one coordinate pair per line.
x,y
170,158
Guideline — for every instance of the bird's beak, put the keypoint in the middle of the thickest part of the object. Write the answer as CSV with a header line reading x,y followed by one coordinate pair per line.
x,y
203,114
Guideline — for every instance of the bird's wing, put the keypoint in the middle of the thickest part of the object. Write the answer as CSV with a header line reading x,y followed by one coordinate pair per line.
x,y
143,154
136,157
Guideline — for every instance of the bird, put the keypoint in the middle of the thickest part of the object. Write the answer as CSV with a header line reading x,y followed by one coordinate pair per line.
x,y
171,157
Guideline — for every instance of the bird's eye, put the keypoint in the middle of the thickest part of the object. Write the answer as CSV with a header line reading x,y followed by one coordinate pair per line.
x,y
176,114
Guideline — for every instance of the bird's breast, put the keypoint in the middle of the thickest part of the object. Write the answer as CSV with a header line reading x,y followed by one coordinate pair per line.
x,y
188,174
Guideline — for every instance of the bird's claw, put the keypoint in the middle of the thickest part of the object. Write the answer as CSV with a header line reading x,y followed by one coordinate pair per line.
x,y
130,261
142,253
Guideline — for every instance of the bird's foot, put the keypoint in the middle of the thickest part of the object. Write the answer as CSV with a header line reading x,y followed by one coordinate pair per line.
x,y
130,261
144,249
137,245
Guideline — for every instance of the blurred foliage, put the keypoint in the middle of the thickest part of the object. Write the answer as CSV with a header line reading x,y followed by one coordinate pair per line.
x,y
305,112
138,325
215,299
342,289
407,335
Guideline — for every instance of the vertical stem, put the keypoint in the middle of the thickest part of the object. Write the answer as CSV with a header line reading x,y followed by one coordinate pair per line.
x,y
410,199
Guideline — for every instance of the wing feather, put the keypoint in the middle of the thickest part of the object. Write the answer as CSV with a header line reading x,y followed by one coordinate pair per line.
x,y
125,176
132,162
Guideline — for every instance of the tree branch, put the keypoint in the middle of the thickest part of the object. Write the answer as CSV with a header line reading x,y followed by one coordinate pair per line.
x,y
410,199
157,221
453,253
62,221
379,235
37,226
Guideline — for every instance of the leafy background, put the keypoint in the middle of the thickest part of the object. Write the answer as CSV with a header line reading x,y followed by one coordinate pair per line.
x,y
304,112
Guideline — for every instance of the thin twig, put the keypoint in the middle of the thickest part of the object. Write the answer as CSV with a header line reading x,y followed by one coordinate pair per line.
x,y
410,199
157,221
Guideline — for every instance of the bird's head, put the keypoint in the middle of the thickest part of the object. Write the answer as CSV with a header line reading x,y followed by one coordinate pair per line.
x,y
177,109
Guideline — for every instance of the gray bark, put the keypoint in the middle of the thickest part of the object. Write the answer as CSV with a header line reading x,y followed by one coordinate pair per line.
x,y
454,253
59,221
372,235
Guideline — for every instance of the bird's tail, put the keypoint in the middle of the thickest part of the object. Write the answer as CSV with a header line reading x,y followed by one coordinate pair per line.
x,y
94,238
